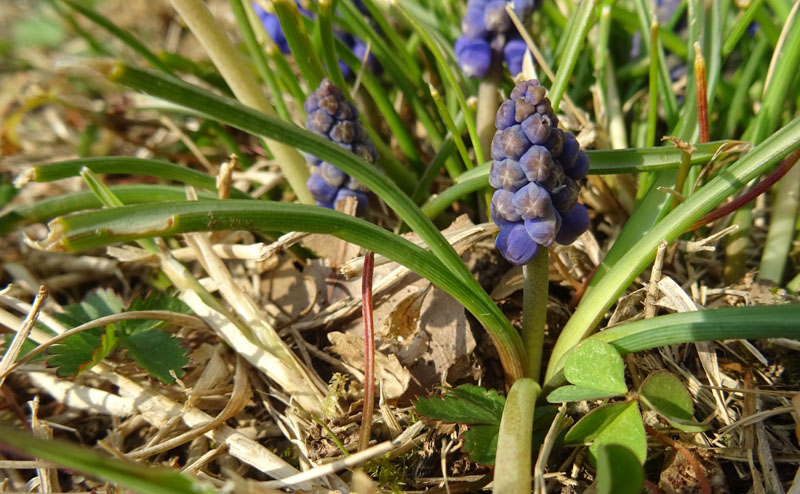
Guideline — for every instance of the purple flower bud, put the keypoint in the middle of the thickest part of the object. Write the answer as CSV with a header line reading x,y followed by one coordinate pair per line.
x,y
474,56
495,16
319,121
543,230
507,174
361,197
505,115
537,128
530,90
515,244
565,196
472,25
343,131
581,167
536,163
573,224
311,103
477,4
332,175
512,142
532,201
555,143
366,151
354,184
569,151
313,160
513,53
503,206
320,189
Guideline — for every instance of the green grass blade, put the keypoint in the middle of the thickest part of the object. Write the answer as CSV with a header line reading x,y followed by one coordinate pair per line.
x,y
597,301
259,58
444,70
150,479
47,209
299,43
127,165
107,226
249,120
121,34
325,27
582,21
773,321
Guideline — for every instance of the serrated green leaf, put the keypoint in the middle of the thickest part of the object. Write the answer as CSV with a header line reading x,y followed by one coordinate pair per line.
x,y
82,351
619,423
99,303
156,352
618,470
465,404
480,443
577,393
664,393
155,300
596,367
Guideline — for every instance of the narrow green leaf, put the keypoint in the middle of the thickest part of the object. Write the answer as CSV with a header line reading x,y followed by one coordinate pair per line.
x,y
297,37
618,470
150,479
579,25
619,423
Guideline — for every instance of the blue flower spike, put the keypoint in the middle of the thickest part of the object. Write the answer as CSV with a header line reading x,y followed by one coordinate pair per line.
x,y
538,170
333,117
488,33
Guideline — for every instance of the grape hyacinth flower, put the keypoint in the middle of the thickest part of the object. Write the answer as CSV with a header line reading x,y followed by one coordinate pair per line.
x,y
487,32
537,170
331,116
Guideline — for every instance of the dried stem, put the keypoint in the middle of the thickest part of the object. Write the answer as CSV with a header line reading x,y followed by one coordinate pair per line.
x,y
702,98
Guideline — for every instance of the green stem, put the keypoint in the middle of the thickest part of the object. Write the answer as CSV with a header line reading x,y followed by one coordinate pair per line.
x,y
512,473
535,284
260,59
452,169
488,102
652,113
328,44
299,42
241,81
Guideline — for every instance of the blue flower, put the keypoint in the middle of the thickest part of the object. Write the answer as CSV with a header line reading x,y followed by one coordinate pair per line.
x,y
333,117
537,171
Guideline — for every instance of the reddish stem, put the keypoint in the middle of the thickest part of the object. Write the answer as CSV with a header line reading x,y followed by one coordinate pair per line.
x,y
369,351
698,469
756,191
702,98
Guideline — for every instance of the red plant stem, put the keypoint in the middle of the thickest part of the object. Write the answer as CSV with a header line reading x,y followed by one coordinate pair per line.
x,y
702,98
756,191
369,351
698,469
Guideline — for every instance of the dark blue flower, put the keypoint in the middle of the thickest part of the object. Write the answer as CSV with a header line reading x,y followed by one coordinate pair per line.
x,y
537,171
333,117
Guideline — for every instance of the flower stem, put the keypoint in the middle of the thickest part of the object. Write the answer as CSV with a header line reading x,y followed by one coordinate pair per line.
x,y
244,85
369,351
535,278
488,102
